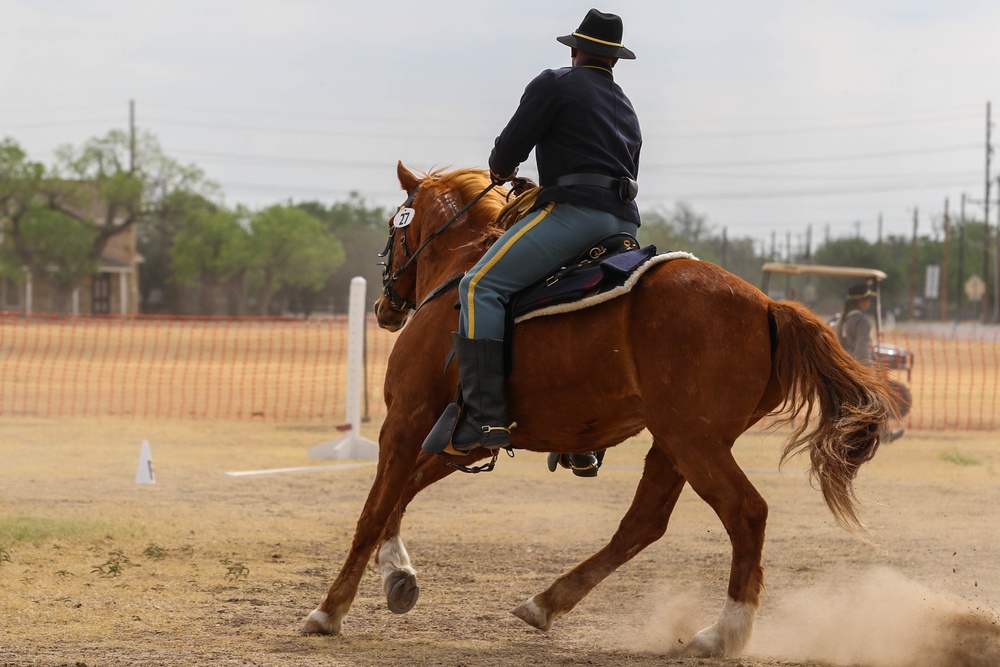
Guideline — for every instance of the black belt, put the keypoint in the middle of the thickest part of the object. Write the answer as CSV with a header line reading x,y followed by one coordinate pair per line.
x,y
626,187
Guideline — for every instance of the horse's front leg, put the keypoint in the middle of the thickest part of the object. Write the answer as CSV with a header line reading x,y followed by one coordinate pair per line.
x,y
399,577
644,523
395,466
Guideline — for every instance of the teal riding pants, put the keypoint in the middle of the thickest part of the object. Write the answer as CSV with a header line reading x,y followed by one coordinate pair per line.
x,y
539,244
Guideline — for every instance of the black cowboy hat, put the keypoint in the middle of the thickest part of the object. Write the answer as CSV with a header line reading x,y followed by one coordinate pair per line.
x,y
600,34
860,291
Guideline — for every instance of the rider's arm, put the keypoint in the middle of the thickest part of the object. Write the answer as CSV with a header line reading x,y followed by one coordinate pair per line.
x,y
526,127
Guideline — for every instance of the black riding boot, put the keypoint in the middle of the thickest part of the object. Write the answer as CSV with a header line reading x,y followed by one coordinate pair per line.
x,y
585,464
484,402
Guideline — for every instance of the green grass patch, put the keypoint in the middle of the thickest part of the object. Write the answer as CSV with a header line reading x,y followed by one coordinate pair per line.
x,y
34,530
958,458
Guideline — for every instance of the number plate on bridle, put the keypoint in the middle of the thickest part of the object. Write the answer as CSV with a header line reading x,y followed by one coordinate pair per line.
x,y
403,217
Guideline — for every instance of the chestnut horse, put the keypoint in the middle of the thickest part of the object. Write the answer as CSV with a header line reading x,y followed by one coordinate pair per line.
x,y
692,353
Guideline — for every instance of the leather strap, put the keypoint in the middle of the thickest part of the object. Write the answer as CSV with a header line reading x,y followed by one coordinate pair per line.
x,y
588,179
626,187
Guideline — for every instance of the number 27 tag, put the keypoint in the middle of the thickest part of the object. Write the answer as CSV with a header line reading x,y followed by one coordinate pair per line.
x,y
403,217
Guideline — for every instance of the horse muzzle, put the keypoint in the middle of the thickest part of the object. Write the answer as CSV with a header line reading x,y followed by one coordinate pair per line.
x,y
388,315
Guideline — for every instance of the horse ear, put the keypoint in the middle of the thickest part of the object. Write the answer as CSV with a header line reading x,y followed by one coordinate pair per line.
x,y
406,178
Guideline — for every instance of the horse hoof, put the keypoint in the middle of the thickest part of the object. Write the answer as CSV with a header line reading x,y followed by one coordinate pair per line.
x,y
696,649
403,591
533,615
318,623
705,644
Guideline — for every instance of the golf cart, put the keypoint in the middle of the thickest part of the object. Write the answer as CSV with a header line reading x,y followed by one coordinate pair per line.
x,y
888,356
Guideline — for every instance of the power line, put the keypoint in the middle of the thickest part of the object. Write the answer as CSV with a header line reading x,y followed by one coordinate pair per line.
x,y
246,158
787,131
340,132
852,177
270,159
834,158
64,123
792,194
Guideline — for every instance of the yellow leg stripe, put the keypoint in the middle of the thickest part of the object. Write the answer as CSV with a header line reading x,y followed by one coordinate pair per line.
x,y
471,298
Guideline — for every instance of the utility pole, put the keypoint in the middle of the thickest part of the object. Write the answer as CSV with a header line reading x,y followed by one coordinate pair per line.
x,y
996,263
986,215
913,269
880,227
944,265
131,136
809,243
960,291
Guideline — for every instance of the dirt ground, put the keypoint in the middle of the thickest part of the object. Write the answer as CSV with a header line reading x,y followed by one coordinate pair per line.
x,y
208,569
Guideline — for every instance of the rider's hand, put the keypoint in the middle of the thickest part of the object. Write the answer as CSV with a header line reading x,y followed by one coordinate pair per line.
x,y
497,179
518,186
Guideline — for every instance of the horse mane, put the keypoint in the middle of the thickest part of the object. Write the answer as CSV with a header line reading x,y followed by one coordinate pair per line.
x,y
467,184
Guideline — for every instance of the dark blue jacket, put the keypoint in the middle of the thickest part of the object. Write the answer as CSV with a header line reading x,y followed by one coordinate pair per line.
x,y
578,120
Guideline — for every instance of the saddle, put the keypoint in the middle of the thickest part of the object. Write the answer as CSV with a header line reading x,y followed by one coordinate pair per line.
x,y
604,267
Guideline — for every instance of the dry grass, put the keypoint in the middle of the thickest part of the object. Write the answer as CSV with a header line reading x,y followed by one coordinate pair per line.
x,y
221,570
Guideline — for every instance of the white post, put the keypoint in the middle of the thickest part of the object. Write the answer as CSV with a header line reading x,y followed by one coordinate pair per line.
x,y
123,293
352,446
28,292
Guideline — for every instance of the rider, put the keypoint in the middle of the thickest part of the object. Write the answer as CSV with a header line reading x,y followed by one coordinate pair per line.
x,y
586,138
854,330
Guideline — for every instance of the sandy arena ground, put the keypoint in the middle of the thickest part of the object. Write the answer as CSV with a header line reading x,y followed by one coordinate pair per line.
x,y
208,569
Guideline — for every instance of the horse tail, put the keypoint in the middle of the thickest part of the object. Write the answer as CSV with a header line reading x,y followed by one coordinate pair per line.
x,y
854,403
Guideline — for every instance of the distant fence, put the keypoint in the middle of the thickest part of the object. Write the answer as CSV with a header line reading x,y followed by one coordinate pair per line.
x,y
287,370
955,379
294,370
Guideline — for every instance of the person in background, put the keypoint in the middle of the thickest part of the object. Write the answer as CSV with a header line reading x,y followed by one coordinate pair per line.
x,y
854,329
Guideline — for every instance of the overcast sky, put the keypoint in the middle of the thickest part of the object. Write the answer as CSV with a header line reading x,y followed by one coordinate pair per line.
x,y
766,116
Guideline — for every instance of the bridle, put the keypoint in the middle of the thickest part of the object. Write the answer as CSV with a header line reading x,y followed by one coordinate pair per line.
x,y
389,276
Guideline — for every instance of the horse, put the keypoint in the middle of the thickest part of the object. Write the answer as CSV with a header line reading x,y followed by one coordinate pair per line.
x,y
692,353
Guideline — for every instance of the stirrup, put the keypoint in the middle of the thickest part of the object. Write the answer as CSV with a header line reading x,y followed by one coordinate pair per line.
x,y
498,443
565,460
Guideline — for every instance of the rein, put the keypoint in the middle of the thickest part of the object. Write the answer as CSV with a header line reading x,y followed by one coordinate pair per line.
x,y
389,277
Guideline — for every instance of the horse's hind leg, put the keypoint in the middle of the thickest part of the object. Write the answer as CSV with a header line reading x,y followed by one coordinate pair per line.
x,y
399,577
715,476
643,523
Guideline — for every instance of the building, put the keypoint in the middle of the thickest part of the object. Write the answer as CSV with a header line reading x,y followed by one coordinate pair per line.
x,y
114,289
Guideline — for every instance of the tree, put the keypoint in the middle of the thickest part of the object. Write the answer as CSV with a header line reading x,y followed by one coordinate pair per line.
x,y
692,227
212,250
95,187
290,248
174,197
19,183
657,229
362,230
61,246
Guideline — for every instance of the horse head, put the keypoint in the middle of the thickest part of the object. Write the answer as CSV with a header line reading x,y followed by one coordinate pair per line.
x,y
444,226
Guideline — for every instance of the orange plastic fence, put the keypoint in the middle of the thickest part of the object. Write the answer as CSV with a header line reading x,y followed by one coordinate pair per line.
x,y
294,370
289,370
955,379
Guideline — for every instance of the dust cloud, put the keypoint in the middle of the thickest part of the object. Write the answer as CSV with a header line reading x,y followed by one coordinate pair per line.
x,y
878,619
875,619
